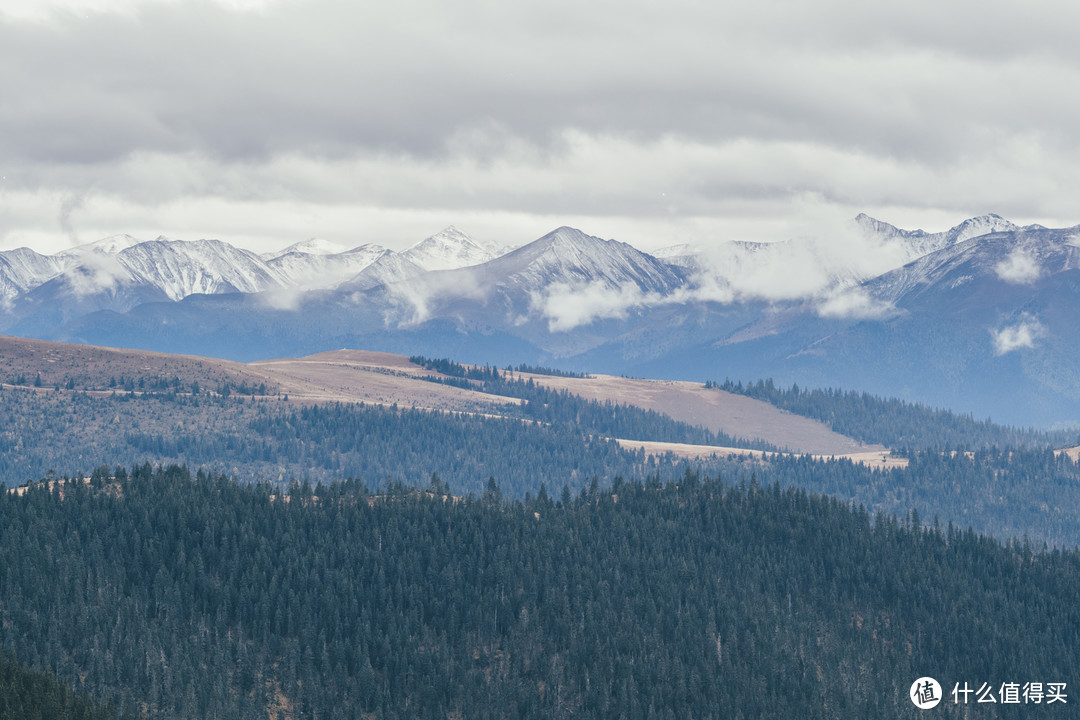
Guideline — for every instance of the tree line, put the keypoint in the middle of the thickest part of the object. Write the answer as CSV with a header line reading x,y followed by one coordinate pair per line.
x,y
897,424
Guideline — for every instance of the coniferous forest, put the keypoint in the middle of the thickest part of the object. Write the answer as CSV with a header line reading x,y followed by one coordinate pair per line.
x,y
177,596
1007,492
30,695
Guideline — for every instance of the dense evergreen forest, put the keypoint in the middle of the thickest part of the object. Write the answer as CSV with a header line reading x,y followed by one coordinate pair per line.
x,y
895,423
181,597
266,439
30,695
1005,493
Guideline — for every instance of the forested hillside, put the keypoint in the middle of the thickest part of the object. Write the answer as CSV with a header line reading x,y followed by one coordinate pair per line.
x,y
895,423
29,695
266,439
199,597
1010,493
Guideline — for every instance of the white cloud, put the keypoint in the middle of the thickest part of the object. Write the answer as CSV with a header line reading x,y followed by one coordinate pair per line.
x,y
96,272
1019,268
854,303
569,306
1022,334
282,298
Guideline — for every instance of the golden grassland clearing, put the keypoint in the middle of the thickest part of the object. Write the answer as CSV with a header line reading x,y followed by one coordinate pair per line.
x,y
388,379
1073,453
715,409
89,367
372,377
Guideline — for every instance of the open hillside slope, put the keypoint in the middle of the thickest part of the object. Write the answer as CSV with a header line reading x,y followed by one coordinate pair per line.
x,y
386,378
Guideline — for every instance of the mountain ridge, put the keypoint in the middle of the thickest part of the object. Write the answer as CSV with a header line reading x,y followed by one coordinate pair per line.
x,y
986,311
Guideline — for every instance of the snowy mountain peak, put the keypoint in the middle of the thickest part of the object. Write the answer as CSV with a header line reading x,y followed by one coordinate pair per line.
x,y
913,244
108,246
677,250
181,268
568,255
447,250
387,269
874,227
979,226
683,255
312,246
451,232
970,228
568,235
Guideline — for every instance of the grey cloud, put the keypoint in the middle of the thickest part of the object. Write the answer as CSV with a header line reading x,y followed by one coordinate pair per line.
x,y
331,78
677,112
68,206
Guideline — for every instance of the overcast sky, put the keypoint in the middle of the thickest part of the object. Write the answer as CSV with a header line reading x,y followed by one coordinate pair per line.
x,y
265,123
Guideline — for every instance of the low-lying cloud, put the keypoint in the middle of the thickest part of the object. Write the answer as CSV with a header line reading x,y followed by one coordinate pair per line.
x,y
569,306
95,273
1019,268
1018,336
854,303
414,298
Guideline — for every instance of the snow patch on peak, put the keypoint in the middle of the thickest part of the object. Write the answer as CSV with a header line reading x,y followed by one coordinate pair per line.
x,y
22,269
388,268
682,255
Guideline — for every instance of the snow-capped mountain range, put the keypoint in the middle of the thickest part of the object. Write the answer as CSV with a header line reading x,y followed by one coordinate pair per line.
x,y
981,316
178,268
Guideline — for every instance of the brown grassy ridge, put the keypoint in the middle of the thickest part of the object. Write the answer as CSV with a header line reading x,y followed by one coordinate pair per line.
x,y
386,378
